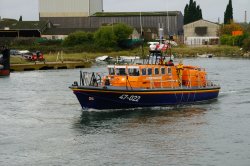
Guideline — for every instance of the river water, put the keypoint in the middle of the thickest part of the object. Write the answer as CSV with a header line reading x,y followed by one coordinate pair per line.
x,y
41,123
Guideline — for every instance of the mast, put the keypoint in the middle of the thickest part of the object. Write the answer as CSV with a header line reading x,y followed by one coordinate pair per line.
x,y
142,38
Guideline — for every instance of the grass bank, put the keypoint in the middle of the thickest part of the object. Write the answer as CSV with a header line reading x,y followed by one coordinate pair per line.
x,y
76,57
220,51
180,51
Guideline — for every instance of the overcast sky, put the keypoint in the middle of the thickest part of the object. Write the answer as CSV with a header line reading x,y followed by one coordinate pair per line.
x,y
211,9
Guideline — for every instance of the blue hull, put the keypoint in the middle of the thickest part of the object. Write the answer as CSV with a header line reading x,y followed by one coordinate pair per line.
x,y
99,98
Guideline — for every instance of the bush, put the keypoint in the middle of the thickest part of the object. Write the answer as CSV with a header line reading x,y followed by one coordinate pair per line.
x,y
122,32
78,38
227,29
246,44
105,37
233,40
49,42
24,41
113,36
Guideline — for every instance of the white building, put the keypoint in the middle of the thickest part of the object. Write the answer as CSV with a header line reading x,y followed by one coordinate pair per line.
x,y
69,8
201,32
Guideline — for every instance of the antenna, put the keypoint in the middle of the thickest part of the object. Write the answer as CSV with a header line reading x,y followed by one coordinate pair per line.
x,y
245,16
141,23
168,22
160,32
142,38
167,16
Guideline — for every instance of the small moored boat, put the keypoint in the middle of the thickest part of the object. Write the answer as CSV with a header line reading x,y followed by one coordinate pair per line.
x,y
103,58
158,82
205,55
4,62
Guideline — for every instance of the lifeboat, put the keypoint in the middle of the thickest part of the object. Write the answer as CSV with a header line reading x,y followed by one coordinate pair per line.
x,y
158,82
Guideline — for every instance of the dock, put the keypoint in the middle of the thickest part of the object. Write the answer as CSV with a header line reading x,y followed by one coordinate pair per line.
x,y
49,66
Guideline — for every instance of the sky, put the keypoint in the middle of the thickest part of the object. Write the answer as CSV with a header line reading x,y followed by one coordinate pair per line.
x,y
212,10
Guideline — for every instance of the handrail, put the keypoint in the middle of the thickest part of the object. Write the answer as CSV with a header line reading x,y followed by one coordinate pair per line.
x,y
96,79
90,78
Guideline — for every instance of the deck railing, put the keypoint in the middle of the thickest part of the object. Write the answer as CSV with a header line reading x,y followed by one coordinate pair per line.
x,y
90,78
96,79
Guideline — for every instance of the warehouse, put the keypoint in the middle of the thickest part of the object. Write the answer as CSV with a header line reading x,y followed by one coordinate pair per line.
x,y
88,14
69,8
201,32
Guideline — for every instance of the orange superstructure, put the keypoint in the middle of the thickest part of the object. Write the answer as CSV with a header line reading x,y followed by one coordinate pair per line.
x,y
194,76
155,76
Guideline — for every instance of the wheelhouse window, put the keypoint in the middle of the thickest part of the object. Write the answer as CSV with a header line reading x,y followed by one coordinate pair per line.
x,y
163,71
169,70
120,70
111,71
143,71
133,71
156,71
149,71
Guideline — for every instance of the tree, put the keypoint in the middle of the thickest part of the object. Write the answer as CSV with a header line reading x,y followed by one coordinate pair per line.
x,y
228,14
78,38
111,36
21,18
186,15
122,32
192,12
105,37
199,12
229,28
228,39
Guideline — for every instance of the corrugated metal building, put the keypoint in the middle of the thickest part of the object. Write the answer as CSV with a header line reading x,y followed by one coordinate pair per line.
x,y
69,8
87,14
201,32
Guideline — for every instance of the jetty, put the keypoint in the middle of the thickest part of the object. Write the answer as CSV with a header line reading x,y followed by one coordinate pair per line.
x,y
49,66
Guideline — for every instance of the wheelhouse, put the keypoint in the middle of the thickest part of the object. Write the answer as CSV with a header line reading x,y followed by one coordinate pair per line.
x,y
146,76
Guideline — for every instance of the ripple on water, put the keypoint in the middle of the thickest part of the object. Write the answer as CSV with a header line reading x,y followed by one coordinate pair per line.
x,y
41,123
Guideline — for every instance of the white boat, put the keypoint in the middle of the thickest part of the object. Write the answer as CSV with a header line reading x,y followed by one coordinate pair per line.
x,y
21,52
205,55
129,58
103,58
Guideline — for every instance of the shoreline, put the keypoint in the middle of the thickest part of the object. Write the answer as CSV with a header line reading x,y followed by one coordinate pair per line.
x,y
217,51
179,52
48,66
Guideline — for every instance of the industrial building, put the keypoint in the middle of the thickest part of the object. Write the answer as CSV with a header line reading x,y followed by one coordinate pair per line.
x,y
20,29
201,32
69,8
68,16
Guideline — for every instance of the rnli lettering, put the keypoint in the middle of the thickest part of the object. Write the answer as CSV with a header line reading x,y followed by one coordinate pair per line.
x,y
133,98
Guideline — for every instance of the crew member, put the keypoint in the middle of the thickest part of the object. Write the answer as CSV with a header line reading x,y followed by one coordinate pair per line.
x,y
170,63
179,69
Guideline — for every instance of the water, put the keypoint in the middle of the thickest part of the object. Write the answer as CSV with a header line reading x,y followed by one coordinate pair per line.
x,y
41,123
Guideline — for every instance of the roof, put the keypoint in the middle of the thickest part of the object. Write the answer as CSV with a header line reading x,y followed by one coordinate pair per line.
x,y
201,20
22,25
125,14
